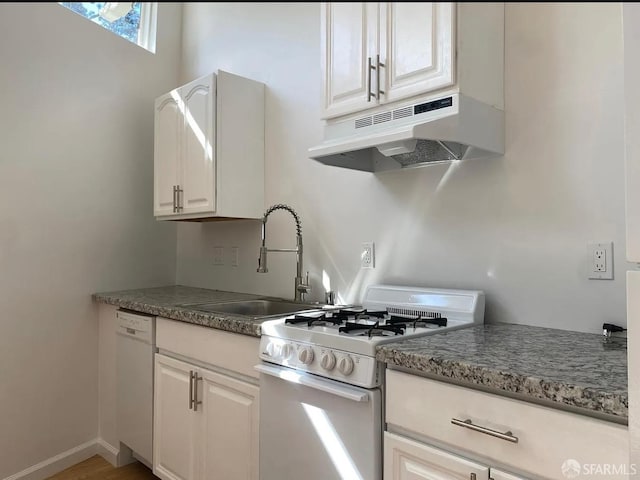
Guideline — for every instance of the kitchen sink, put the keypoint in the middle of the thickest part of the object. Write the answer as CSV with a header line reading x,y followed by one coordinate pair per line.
x,y
255,308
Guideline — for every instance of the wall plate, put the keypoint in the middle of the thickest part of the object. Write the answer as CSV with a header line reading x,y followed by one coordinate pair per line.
x,y
367,256
600,260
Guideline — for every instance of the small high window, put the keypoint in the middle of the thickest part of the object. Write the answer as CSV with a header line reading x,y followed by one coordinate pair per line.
x,y
134,21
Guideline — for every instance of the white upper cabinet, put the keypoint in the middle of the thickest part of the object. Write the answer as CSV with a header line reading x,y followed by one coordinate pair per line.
x,y
349,45
417,48
198,173
209,149
168,125
376,54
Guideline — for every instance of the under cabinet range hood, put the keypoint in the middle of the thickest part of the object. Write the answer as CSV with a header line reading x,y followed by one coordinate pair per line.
x,y
453,127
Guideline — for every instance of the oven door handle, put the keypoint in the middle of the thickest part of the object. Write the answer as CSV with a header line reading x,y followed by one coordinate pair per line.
x,y
308,380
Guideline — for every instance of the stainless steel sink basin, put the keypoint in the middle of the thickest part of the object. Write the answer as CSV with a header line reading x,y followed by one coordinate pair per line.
x,y
255,308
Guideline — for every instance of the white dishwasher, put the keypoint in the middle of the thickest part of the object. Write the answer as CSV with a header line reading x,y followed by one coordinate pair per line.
x,y
136,346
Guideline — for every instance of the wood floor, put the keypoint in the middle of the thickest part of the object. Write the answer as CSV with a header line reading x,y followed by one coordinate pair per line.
x,y
97,468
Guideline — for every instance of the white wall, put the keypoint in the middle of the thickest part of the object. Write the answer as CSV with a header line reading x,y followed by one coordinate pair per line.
x,y
76,170
516,227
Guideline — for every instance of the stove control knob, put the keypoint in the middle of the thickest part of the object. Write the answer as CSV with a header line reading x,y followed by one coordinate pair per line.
x,y
328,361
305,355
272,350
286,350
346,365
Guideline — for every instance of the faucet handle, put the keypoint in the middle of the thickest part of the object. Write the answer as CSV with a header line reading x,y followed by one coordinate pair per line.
x,y
306,286
303,287
330,297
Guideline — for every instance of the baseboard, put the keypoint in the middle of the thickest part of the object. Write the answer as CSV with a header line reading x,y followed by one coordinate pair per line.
x,y
107,451
118,457
56,464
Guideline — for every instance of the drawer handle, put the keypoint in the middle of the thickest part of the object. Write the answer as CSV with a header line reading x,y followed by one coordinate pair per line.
x,y
190,389
196,402
508,436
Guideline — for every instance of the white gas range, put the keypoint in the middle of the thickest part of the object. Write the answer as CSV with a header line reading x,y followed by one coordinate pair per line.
x,y
321,385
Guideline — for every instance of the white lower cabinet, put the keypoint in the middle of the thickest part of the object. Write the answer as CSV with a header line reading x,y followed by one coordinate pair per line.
x,y
175,439
206,399
405,459
492,430
205,425
496,474
230,428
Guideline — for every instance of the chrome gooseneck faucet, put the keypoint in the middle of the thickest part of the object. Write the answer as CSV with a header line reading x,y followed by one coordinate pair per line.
x,y
301,288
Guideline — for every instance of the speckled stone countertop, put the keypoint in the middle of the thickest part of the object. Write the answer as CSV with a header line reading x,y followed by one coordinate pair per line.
x,y
571,370
166,302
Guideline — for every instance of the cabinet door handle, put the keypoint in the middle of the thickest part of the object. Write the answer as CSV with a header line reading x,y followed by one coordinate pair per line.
x,y
196,402
175,202
179,198
508,436
369,68
379,65
190,389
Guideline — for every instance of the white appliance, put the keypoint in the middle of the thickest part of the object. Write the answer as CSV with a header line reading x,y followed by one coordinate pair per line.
x,y
452,127
321,404
631,26
136,346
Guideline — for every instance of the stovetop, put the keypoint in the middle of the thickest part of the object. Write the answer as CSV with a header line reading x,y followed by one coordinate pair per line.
x,y
388,313
358,321
357,333
340,343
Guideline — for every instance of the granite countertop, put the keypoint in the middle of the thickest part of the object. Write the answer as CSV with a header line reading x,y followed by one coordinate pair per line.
x,y
166,301
563,369
572,370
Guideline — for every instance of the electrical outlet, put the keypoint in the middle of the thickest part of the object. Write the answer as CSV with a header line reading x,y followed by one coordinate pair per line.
x,y
600,260
218,255
235,253
367,257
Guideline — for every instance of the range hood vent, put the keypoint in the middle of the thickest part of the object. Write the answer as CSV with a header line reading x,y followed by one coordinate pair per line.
x,y
447,129
435,151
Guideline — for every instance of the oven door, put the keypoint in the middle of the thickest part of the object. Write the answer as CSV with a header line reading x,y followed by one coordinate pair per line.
x,y
314,428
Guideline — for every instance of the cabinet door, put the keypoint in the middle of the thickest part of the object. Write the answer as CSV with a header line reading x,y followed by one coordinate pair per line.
x,y
500,475
417,47
631,19
174,433
168,119
349,40
229,435
198,146
406,459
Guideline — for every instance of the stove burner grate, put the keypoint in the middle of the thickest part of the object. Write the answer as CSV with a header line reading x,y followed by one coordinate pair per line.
x,y
313,320
336,318
367,321
439,321
371,330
